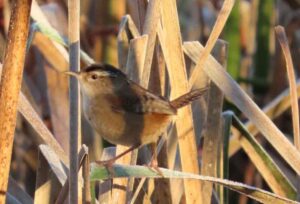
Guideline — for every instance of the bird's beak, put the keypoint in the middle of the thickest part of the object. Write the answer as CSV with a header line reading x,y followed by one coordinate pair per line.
x,y
74,74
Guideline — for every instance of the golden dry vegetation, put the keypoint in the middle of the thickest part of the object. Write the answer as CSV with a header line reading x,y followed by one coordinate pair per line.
x,y
240,143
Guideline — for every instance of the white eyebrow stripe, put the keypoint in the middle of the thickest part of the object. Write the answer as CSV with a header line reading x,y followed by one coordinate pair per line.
x,y
103,73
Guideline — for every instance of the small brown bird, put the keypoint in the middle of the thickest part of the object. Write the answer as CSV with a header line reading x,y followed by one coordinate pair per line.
x,y
123,112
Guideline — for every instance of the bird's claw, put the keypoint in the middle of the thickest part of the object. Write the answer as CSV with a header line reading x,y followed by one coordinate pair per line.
x,y
155,168
108,164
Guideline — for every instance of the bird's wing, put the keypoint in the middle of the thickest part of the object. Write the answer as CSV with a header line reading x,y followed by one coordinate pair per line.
x,y
139,100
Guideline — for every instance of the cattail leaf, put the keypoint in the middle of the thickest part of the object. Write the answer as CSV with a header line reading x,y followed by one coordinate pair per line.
x,y
120,171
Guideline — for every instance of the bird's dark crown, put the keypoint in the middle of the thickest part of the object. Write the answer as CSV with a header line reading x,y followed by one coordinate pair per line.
x,y
104,68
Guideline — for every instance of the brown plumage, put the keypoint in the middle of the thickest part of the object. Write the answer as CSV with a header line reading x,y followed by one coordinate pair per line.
x,y
123,112
188,98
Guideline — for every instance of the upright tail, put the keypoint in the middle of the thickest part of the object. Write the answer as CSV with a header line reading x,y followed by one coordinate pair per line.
x,y
188,98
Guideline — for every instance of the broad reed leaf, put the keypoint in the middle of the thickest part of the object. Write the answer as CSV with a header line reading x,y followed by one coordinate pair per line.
x,y
273,110
120,171
272,174
235,94
49,32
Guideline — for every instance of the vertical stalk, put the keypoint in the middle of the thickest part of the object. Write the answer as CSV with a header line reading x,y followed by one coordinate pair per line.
x,y
86,197
75,116
213,135
262,57
115,10
10,85
232,36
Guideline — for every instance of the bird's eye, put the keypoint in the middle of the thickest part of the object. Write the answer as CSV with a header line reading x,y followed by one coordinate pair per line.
x,y
94,76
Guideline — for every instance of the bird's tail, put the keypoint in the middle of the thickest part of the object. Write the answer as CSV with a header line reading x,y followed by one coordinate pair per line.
x,y
188,98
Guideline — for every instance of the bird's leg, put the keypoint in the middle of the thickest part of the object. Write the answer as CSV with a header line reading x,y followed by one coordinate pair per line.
x,y
153,162
111,161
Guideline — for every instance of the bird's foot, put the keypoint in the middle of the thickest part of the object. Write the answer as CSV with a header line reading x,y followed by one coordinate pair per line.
x,y
153,165
108,164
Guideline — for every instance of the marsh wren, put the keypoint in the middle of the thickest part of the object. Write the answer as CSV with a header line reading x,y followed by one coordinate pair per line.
x,y
123,112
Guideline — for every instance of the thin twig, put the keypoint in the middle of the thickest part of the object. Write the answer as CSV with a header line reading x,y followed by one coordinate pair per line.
x,y
282,38
137,191
10,85
82,157
218,27
143,180
75,116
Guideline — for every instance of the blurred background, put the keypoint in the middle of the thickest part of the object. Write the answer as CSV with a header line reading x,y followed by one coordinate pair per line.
x,y
255,61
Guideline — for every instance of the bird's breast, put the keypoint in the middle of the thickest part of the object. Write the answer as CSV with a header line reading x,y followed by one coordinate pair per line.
x,y
123,127
109,124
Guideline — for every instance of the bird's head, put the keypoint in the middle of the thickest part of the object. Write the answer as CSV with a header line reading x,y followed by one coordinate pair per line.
x,y
99,79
